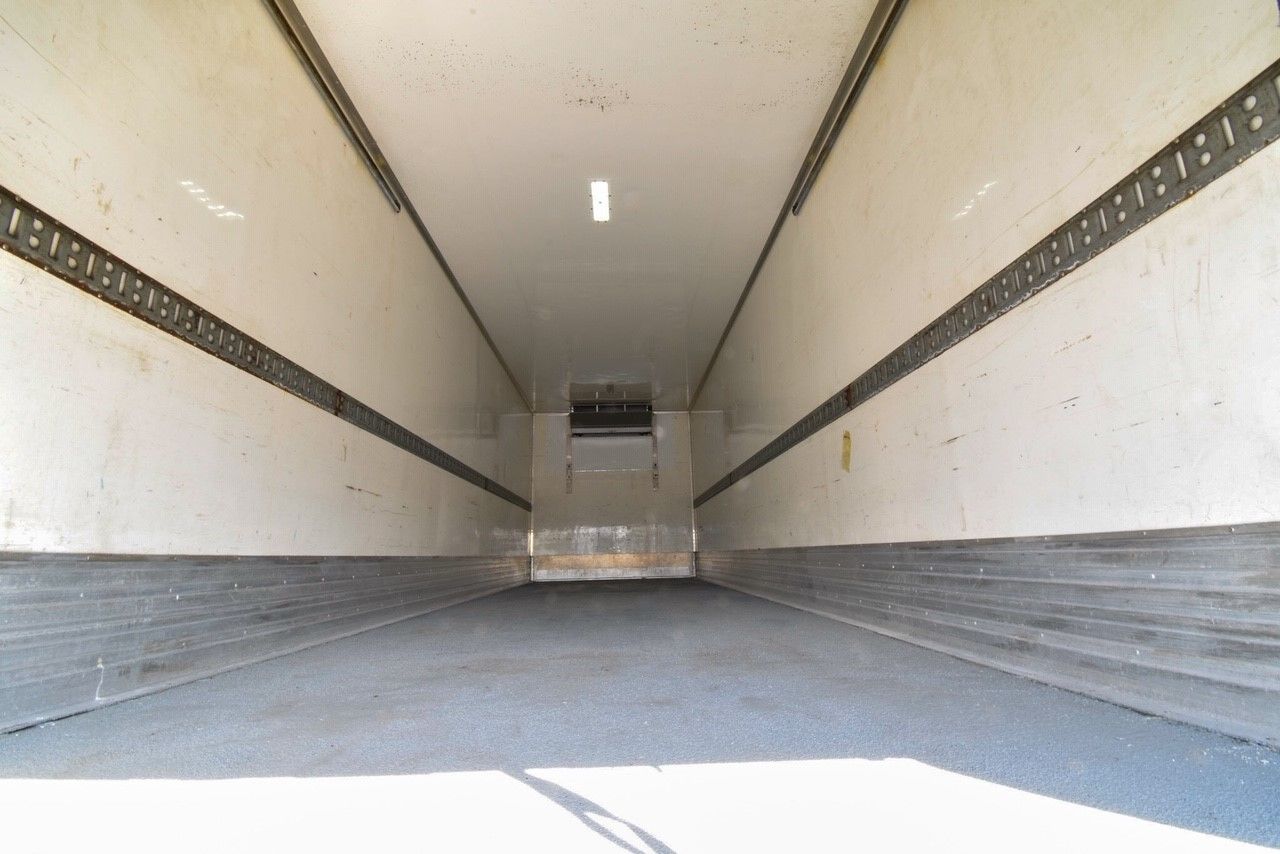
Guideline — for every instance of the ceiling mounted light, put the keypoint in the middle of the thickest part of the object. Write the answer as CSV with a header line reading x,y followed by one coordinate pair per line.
x,y
600,201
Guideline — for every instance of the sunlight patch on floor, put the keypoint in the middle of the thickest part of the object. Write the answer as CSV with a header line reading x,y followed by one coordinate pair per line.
x,y
820,805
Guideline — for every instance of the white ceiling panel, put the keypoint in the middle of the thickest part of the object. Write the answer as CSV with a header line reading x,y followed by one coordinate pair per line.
x,y
496,116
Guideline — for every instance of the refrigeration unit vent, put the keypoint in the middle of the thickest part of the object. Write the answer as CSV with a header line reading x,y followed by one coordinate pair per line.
x,y
611,418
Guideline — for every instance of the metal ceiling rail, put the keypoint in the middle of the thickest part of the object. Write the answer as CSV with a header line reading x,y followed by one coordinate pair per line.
x,y
865,55
870,47
304,44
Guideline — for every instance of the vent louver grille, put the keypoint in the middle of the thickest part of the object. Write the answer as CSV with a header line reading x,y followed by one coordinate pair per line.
x,y
611,418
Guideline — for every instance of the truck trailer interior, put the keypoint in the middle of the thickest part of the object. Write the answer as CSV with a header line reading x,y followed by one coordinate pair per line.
x,y
639,425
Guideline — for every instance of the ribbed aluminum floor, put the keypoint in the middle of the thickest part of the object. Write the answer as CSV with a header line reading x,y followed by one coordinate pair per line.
x,y
651,715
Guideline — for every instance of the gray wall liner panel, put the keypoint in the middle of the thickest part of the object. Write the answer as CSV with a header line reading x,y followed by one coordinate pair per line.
x,y
1182,623
81,631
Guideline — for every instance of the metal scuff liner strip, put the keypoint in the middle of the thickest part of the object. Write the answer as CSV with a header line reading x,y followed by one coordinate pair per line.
x,y
1238,128
36,237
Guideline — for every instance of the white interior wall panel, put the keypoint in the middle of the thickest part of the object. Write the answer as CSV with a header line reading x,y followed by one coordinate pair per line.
x,y
116,134
127,440
188,139
608,518
1125,397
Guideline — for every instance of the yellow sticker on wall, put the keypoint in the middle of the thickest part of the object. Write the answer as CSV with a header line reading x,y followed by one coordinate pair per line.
x,y
846,450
